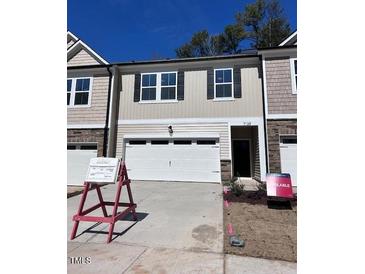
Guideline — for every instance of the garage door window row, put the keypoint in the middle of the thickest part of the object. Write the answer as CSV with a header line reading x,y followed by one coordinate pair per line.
x,y
81,147
175,142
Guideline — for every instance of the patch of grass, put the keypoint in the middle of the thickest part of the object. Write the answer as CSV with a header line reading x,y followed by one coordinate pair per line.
x,y
236,188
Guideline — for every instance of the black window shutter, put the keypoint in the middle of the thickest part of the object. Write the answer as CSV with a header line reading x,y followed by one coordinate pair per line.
x,y
237,82
137,87
180,85
210,83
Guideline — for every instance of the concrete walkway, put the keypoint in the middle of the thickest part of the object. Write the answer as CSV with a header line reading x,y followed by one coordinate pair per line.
x,y
180,231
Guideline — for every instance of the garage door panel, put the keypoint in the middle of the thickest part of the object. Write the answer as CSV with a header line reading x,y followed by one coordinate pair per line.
x,y
185,164
173,162
195,152
147,163
77,165
288,156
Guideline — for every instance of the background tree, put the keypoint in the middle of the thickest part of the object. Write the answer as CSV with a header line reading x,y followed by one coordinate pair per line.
x,y
262,22
265,23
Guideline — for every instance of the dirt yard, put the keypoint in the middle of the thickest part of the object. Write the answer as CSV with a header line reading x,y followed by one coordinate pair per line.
x,y
268,232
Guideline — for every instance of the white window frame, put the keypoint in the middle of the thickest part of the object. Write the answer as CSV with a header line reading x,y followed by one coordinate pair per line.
x,y
293,75
158,88
73,92
215,86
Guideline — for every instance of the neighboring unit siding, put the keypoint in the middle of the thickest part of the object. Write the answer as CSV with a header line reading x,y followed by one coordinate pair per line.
x,y
279,87
82,58
96,113
220,128
195,103
87,136
70,43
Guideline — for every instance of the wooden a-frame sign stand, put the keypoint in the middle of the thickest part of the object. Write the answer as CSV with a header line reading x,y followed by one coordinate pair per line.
x,y
122,180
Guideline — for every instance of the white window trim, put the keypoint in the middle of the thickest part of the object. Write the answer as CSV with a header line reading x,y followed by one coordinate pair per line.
x,y
215,85
158,86
73,91
292,72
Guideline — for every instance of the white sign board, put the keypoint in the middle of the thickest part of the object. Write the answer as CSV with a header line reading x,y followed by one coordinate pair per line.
x,y
102,170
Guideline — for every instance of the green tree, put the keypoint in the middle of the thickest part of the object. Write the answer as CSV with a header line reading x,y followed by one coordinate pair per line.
x,y
262,22
265,23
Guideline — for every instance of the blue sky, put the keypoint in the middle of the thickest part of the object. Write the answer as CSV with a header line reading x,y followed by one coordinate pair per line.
x,y
125,30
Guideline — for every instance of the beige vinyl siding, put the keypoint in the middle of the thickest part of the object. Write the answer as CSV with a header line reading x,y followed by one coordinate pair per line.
x,y
82,58
96,113
195,103
279,87
256,160
220,128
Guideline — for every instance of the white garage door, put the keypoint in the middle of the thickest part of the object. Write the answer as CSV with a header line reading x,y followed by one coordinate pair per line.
x,y
78,158
195,160
288,156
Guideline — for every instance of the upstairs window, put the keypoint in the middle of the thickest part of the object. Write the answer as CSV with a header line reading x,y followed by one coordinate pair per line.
x,y
78,92
293,65
149,87
223,83
168,86
69,85
158,87
82,91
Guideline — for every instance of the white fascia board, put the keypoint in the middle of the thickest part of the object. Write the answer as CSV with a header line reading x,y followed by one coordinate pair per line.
x,y
234,121
282,116
174,135
85,126
288,39
73,36
80,43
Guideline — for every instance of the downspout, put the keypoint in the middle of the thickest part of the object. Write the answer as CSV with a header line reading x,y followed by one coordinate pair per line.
x,y
264,113
105,141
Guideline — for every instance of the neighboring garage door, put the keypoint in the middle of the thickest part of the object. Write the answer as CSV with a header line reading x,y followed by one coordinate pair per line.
x,y
288,156
78,158
195,160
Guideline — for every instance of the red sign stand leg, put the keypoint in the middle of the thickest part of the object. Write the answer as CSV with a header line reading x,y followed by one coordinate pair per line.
x,y
130,207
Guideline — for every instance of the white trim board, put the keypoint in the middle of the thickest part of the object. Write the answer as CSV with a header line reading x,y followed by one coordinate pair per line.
x,y
281,116
177,135
234,121
288,39
85,126
73,36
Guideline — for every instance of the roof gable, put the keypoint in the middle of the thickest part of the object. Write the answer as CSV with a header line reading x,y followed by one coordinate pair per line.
x,y
77,49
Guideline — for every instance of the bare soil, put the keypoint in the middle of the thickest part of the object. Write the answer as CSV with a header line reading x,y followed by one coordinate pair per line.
x,y
268,229
73,191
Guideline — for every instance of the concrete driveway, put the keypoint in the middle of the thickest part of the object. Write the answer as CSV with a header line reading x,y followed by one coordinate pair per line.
x,y
180,230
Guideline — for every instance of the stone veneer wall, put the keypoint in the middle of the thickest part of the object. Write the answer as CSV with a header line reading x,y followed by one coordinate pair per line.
x,y
87,136
226,170
275,128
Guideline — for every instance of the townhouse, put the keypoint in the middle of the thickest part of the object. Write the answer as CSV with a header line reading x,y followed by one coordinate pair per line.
x,y
87,105
280,103
203,119
195,119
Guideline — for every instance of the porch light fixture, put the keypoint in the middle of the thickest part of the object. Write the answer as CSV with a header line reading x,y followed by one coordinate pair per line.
x,y
170,130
